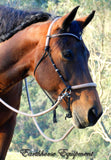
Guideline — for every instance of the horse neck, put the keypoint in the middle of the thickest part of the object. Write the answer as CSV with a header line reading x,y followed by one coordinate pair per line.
x,y
18,55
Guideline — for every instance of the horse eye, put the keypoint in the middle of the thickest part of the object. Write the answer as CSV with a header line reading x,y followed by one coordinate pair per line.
x,y
67,54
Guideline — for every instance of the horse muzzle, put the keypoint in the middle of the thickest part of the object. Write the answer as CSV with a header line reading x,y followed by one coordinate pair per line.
x,y
81,120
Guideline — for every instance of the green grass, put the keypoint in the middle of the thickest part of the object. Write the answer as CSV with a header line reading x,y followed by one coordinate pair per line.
x,y
18,156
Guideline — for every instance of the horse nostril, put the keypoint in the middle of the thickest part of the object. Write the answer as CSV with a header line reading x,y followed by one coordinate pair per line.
x,y
93,115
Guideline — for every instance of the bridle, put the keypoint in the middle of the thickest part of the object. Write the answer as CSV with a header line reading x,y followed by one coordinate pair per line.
x,y
68,88
65,93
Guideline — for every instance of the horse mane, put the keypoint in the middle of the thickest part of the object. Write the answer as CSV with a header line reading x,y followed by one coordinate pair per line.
x,y
13,20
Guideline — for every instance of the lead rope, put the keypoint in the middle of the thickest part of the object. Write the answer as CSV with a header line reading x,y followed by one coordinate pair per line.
x,y
48,110
37,125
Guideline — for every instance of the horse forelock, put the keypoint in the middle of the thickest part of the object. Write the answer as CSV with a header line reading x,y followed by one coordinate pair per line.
x,y
13,20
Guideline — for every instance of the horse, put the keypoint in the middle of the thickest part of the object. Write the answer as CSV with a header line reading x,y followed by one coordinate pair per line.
x,y
50,49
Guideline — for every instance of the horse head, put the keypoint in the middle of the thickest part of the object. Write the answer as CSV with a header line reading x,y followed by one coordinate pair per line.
x,y
67,51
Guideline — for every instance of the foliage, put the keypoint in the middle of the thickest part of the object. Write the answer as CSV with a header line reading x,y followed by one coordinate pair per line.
x,y
97,36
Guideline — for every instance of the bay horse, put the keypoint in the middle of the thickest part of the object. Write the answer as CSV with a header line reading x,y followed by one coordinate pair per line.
x,y
58,60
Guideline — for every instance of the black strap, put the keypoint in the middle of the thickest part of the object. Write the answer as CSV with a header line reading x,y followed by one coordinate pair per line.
x,y
69,114
54,116
57,70
54,111
68,88
44,55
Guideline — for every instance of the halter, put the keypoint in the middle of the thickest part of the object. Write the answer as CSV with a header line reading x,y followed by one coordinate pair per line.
x,y
68,88
65,93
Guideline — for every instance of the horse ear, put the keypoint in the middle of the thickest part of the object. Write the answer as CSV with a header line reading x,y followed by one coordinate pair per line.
x,y
85,20
67,19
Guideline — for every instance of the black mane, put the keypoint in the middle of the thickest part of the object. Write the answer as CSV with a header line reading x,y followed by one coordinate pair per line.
x,y
13,20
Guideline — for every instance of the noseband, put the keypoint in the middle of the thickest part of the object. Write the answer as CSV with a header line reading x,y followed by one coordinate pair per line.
x,y
68,88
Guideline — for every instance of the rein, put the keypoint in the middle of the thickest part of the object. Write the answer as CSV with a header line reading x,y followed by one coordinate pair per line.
x,y
32,115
